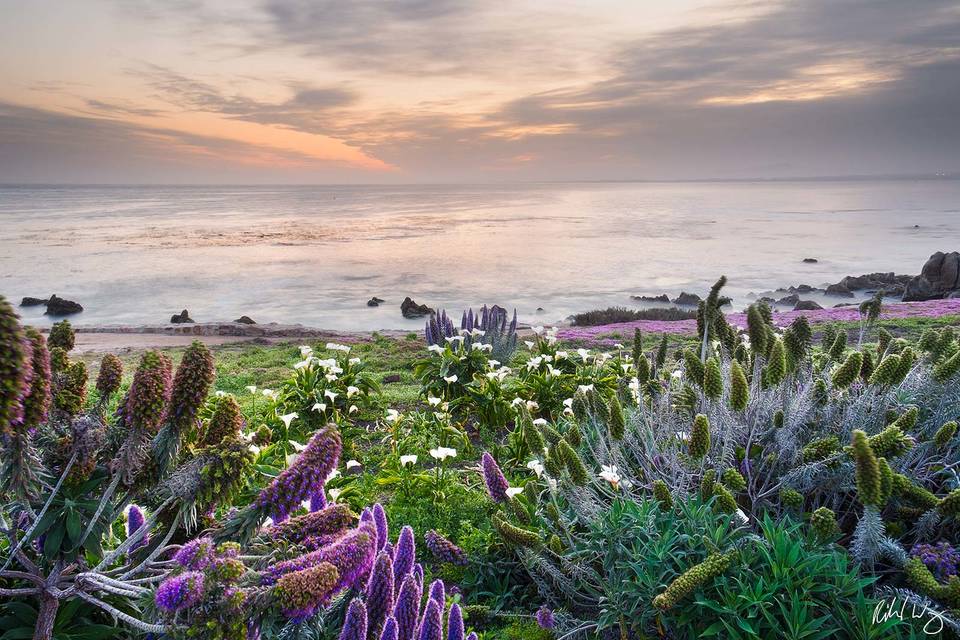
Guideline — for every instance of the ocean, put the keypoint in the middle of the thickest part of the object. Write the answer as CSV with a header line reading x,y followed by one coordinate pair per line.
x,y
316,254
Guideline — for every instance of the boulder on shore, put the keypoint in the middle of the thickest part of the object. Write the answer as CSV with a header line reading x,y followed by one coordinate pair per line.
x,y
245,320
181,318
411,309
806,305
939,278
33,302
61,307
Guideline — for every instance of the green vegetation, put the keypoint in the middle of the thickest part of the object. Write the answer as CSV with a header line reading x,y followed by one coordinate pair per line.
x,y
748,483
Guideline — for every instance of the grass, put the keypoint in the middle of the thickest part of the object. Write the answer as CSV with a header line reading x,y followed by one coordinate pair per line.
x,y
611,315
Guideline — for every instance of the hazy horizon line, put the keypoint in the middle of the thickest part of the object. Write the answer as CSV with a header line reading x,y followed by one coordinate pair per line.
x,y
836,178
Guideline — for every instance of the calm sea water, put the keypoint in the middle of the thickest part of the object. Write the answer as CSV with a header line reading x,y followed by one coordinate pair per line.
x,y
315,255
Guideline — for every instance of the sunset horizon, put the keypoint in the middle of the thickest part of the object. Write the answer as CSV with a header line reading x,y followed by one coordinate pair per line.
x,y
272,92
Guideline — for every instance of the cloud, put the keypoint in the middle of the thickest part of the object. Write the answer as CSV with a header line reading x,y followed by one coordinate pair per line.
x,y
38,145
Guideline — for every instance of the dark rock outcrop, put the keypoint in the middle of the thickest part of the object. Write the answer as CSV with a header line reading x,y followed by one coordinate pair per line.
x,y
788,301
375,301
687,299
181,318
840,290
661,298
811,260
939,278
411,309
245,320
33,302
60,307
806,305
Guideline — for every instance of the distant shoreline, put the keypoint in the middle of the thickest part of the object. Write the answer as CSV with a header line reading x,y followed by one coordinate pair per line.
x,y
120,337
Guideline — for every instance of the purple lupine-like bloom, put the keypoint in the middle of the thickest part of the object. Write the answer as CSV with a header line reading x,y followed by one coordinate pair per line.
x,y
472,636
366,517
444,550
545,618
407,609
352,555
318,501
942,559
380,593
431,626
389,549
496,483
405,554
135,520
438,592
455,623
383,530
180,591
389,629
355,624
304,478
196,554
417,573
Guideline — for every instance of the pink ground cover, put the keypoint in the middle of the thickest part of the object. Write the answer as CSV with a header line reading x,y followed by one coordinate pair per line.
x,y
599,334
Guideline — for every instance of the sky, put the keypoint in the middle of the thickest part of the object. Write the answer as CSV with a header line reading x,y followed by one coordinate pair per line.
x,y
434,91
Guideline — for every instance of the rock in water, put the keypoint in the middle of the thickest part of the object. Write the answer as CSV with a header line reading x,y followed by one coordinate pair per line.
x,y
939,278
411,309
788,301
811,260
839,289
806,305
241,320
33,302
376,302
181,318
61,307
687,299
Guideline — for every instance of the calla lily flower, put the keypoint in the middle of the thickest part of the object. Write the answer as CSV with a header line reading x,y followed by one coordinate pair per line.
x,y
352,391
319,407
442,453
450,379
288,418
513,491
409,459
252,388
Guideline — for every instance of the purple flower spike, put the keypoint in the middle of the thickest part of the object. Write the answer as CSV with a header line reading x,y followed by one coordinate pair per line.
x,y
418,575
366,516
438,592
352,555
545,618
380,594
455,623
496,484
444,550
135,520
355,624
431,627
304,478
405,554
389,629
318,501
180,591
407,610
196,554
383,530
